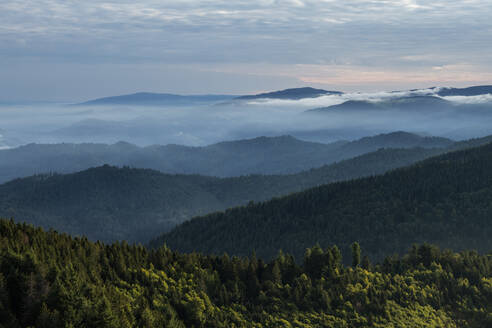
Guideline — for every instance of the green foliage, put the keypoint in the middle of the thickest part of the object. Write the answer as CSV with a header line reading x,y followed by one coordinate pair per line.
x,y
53,280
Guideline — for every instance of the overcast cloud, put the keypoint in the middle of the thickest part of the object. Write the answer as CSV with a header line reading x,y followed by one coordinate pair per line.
x,y
74,50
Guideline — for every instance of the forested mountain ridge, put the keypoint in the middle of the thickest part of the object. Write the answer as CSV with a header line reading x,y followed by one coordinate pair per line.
x,y
262,155
428,105
414,103
51,280
470,91
109,203
444,200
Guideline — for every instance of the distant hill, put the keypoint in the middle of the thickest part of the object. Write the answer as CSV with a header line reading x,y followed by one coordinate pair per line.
x,y
417,102
262,155
414,101
411,103
291,94
470,91
399,139
155,99
107,203
347,105
443,200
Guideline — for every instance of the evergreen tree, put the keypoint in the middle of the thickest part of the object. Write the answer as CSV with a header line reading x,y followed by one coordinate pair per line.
x,y
355,254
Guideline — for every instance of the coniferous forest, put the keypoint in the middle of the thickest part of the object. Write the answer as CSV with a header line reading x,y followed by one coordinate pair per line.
x,y
443,200
109,203
51,280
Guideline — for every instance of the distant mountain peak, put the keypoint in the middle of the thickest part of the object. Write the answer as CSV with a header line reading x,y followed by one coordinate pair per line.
x,y
122,145
291,94
469,91
404,139
347,105
419,99
154,99
403,103
264,140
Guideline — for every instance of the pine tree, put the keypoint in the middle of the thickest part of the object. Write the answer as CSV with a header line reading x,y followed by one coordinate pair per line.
x,y
276,273
355,254
366,263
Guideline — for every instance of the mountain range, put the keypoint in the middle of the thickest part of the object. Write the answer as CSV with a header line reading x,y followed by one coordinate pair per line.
x,y
262,155
470,91
422,104
156,99
291,94
109,203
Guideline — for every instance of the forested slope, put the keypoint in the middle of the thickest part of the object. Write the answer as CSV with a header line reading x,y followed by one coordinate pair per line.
x,y
446,200
48,280
109,203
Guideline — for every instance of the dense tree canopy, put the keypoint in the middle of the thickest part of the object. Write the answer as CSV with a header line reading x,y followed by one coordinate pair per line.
x,y
53,280
444,200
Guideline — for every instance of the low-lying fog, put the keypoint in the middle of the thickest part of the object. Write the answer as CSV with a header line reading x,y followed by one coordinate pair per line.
x,y
205,124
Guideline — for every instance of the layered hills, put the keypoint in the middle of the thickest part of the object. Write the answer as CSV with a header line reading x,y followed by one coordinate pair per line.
x,y
109,203
262,155
422,103
156,99
443,200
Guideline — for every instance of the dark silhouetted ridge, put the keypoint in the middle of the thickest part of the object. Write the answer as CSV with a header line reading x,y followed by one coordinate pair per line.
x,y
293,94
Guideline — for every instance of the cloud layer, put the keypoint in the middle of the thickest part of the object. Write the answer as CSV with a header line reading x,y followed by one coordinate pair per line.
x,y
330,100
344,44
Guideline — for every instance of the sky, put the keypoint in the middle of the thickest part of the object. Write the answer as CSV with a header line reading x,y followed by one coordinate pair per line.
x,y
63,50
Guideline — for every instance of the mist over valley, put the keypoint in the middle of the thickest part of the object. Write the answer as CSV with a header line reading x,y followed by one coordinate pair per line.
x,y
459,114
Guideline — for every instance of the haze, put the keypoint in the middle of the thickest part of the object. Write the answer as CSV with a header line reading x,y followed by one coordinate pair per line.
x,y
458,117
74,51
